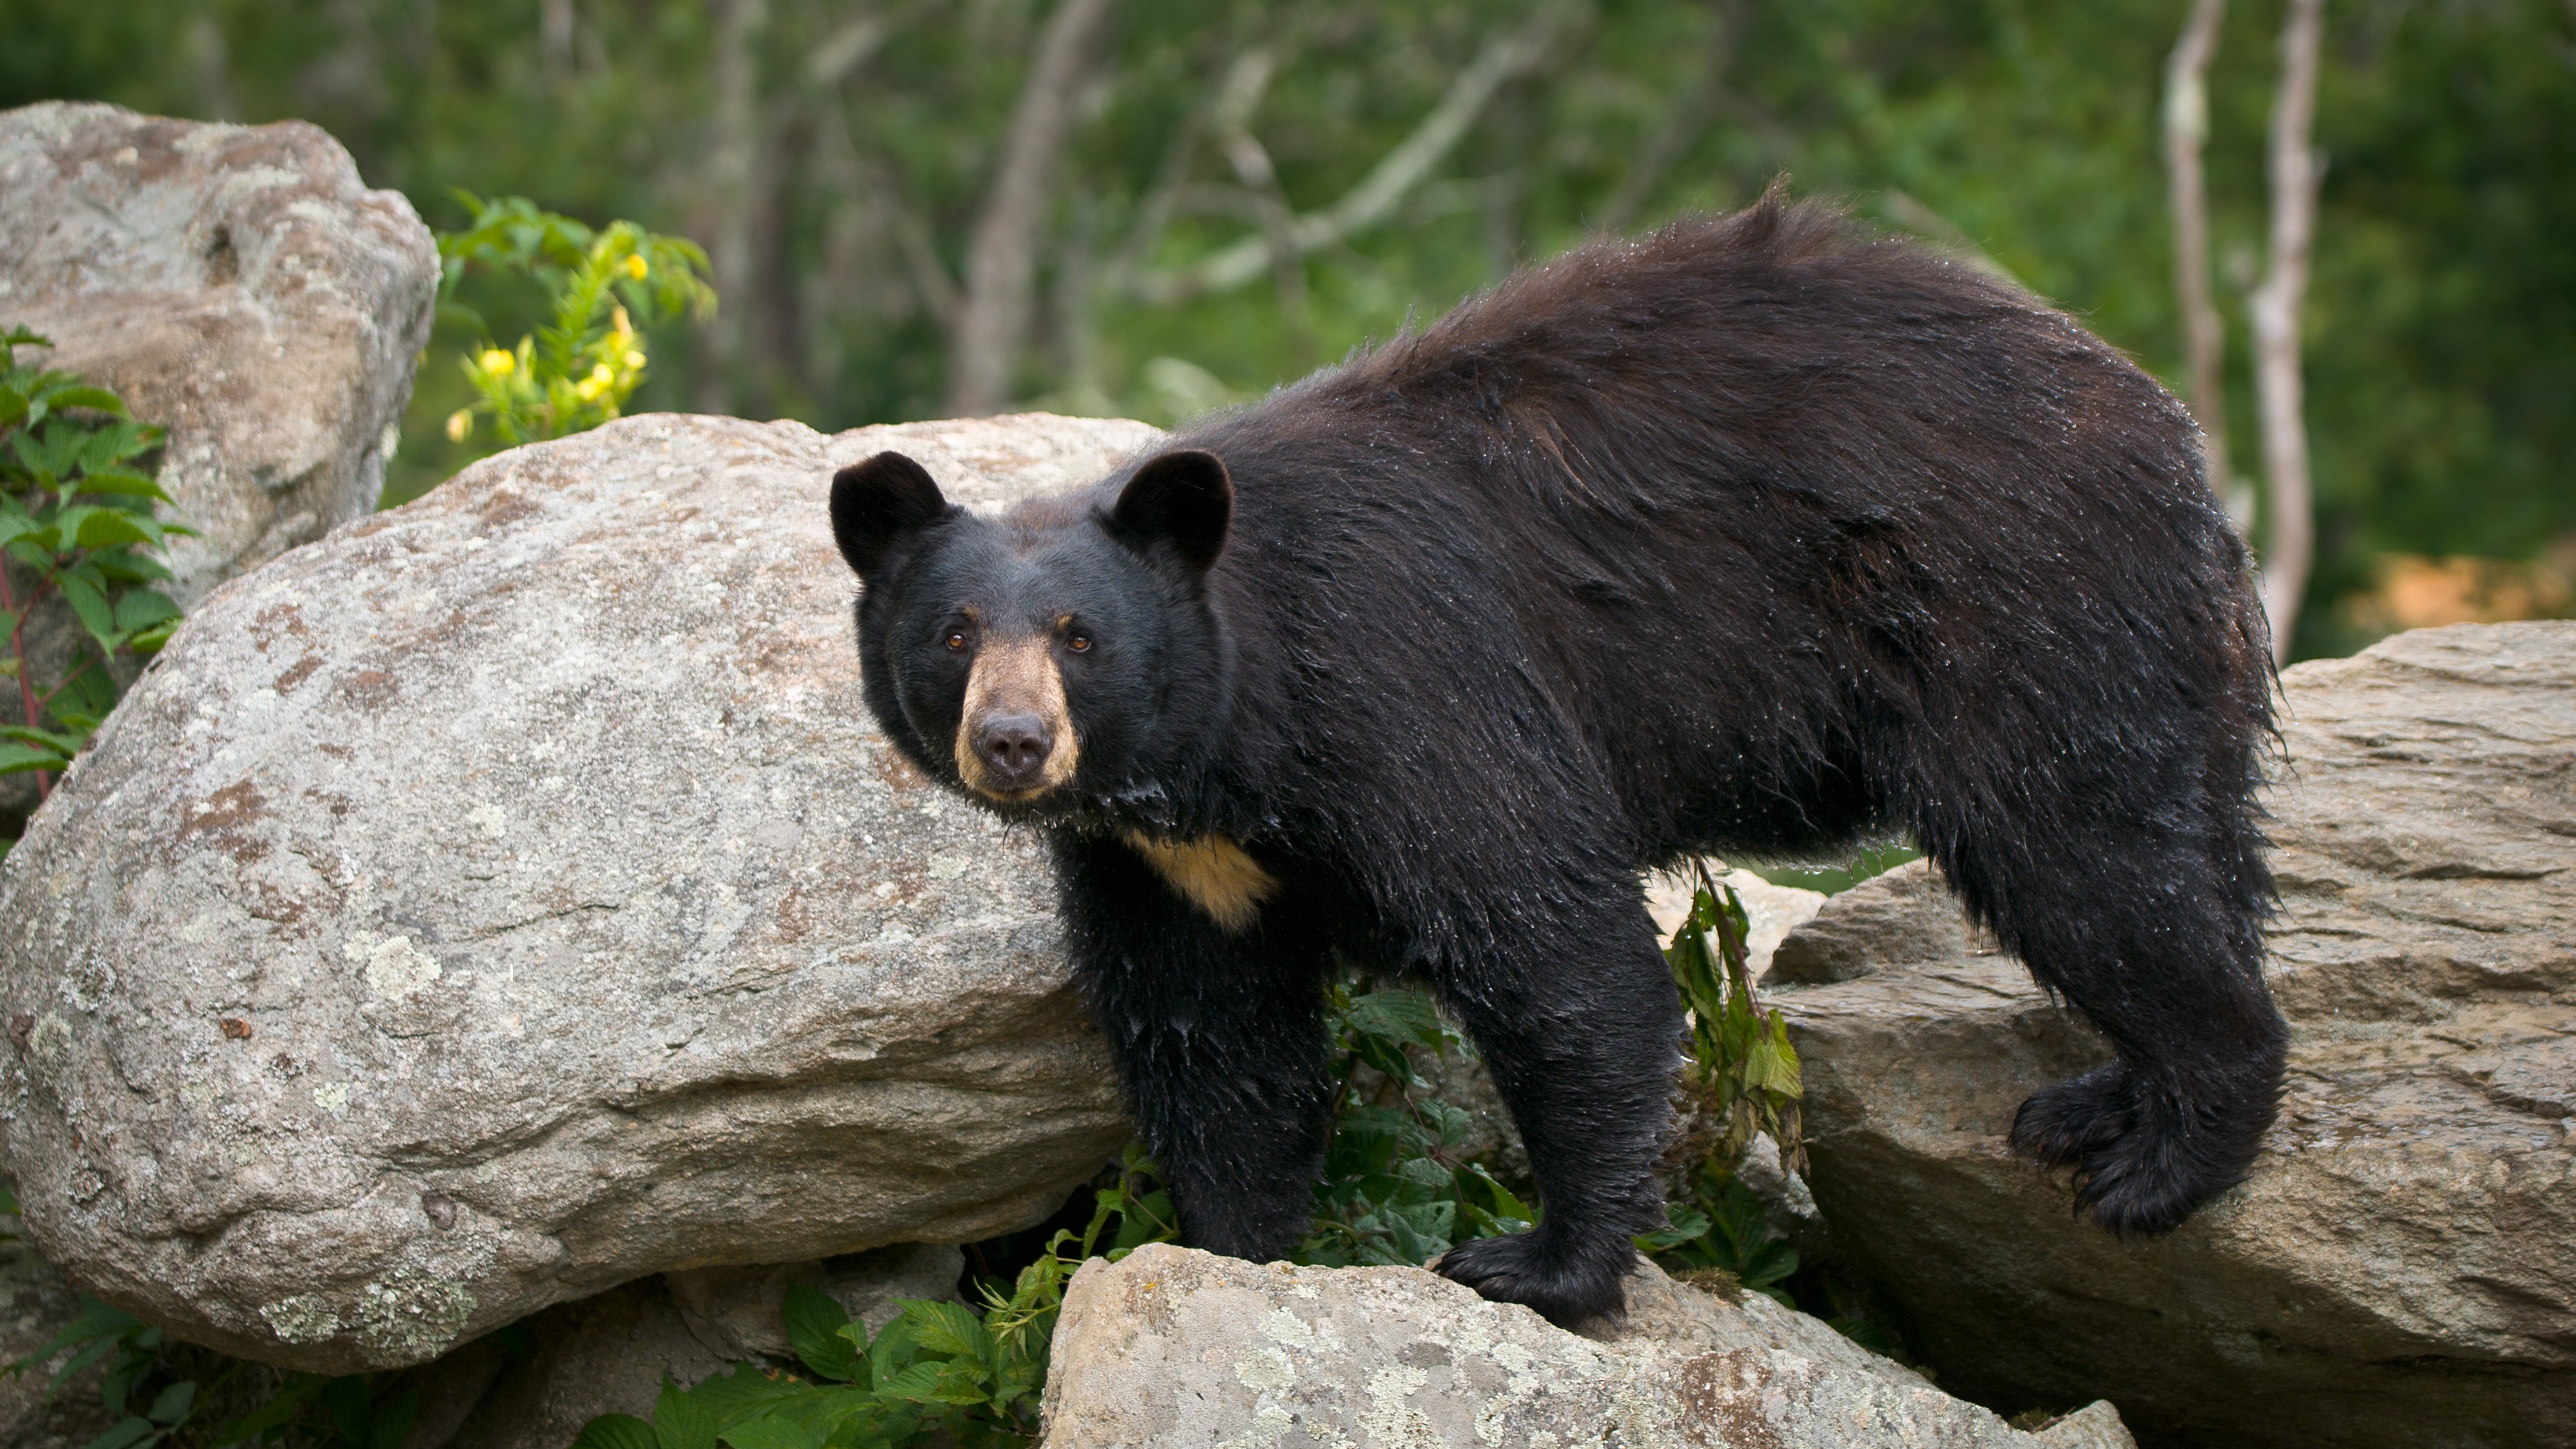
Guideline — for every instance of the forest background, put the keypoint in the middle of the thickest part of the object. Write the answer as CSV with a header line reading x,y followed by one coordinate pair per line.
x,y
1152,207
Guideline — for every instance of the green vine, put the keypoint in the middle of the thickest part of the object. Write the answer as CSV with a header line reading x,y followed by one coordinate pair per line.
x,y
79,522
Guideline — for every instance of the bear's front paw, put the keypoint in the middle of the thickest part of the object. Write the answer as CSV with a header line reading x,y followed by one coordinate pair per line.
x,y
1569,1283
2143,1159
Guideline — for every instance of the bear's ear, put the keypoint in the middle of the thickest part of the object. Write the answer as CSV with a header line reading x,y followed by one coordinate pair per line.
x,y
877,501
1182,498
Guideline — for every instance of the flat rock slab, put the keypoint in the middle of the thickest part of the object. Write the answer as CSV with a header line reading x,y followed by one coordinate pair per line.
x,y
238,285
1185,1350
510,897
2400,1269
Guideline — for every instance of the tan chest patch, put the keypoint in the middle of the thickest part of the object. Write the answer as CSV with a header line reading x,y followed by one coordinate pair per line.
x,y
1213,872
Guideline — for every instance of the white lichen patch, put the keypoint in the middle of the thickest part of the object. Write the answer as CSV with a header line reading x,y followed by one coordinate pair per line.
x,y
1265,1370
393,966
300,1318
1391,1421
1283,1326
412,1316
489,820
49,1044
332,1097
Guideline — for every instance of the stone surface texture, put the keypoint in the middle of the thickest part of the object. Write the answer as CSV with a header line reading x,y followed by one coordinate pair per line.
x,y
238,285
2400,1269
510,897
604,1355
1184,1350
735,1311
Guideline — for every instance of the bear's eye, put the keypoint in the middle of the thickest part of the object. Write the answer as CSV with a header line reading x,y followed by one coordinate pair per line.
x,y
956,641
1079,643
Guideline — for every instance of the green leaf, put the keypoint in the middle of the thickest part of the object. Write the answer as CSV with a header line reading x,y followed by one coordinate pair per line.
x,y
173,1403
123,482
82,395
949,1328
91,607
616,1431
141,608
681,1422
107,527
130,1433
774,1432
919,1384
814,1325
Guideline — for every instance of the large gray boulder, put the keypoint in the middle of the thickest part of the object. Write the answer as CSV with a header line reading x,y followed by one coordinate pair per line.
x,y
1173,1347
2400,1269
510,896
240,286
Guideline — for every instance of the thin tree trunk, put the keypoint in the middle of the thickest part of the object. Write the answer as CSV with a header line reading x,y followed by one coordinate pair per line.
x,y
2186,127
2290,534
1388,182
1001,261
733,178
554,38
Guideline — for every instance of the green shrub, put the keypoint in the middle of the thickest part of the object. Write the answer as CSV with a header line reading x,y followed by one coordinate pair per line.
x,y
79,521
575,372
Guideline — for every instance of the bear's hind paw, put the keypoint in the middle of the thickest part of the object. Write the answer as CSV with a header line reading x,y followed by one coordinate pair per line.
x,y
1568,1285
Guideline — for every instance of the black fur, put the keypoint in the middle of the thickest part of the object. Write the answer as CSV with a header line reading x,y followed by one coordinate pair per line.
x,y
1748,538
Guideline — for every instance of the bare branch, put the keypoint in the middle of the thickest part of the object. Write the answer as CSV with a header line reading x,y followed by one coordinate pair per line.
x,y
1395,174
853,45
733,186
2186,131
1001,261
2290,538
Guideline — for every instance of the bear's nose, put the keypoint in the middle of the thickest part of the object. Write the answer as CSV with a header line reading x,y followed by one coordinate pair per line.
x,y
1014,745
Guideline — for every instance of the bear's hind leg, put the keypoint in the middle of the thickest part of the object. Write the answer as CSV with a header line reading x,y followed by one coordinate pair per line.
x,y
2155,936
1581,1027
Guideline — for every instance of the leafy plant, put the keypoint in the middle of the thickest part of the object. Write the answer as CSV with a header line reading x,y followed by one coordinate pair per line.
x,y
575,372
1743,1078
164,1391
78,521
1395,1189
939,1372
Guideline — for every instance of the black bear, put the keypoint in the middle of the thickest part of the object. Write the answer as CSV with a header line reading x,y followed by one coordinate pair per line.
x,y
1748,537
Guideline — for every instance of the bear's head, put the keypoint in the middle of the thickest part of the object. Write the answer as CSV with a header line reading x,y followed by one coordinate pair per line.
x,y
1060,659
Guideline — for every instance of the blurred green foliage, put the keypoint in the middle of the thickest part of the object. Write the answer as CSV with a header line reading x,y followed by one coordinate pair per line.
x,y
79,522
2442,321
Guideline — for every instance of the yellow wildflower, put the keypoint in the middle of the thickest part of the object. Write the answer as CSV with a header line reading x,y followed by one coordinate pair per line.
x,y
635,266
620,325
499,363
586,389
459,423
635,360
602,375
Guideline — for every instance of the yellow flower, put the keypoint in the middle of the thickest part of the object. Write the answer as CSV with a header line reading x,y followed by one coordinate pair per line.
x,y
587,388
620,325
635,266
635,360
602,375
499,363
459,423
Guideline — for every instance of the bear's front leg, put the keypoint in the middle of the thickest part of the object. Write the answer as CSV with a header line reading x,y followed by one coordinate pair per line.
x,y
1219,1038
1579,1022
